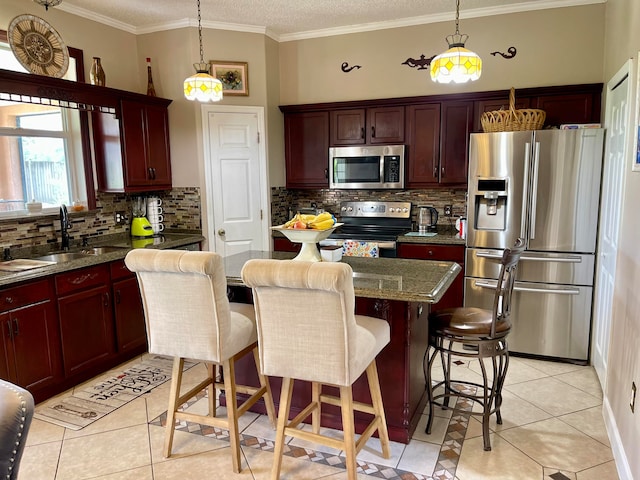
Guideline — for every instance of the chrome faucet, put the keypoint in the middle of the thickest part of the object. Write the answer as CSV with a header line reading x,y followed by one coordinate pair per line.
x,y
65,225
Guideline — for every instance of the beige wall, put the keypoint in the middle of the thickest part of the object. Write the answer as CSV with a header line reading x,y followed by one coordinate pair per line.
x,y
555,47
623,42
95,39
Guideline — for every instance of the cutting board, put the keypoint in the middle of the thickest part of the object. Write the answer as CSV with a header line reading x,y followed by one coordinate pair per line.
x,y
22,264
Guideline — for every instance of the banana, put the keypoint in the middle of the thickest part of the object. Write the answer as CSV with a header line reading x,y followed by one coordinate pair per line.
x,y
323,225
323,216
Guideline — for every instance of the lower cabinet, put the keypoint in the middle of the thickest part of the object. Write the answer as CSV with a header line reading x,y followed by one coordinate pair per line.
x,y
454,296
30,342
86,318
281,244
130,332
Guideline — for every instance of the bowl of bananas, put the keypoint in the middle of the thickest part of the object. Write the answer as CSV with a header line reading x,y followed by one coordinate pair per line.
x,y
308,230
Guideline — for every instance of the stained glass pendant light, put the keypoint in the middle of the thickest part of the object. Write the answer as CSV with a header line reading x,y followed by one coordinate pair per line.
x,y
202,86
457,64
48,3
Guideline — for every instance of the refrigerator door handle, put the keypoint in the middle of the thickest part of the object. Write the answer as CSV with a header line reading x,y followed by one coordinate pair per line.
x,y
498,255
563,291
565,259
534,193
525,192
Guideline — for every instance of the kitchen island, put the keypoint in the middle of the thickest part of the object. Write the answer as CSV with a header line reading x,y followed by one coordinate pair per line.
x,y
399,291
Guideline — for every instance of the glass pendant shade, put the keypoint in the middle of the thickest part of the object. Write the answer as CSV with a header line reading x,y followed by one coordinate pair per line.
x,y
457,65
202,86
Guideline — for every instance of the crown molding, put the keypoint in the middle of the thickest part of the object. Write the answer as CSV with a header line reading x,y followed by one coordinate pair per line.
x,y
327,32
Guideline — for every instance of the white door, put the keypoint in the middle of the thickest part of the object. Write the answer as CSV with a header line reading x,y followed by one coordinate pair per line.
x,y
617,119
236,179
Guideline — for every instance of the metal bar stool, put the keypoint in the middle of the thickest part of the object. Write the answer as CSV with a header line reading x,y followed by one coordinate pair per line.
x,y
478,334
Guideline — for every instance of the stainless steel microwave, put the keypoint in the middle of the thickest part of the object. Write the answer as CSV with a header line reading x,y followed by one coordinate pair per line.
x,y
376,167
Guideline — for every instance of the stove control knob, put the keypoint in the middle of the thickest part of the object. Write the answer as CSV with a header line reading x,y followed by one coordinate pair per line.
x,y
350,209
405,209
343,209
391,210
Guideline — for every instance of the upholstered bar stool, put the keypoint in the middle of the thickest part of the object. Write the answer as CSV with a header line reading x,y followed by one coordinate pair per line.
x,y
476,334
307,330
188,315
16,414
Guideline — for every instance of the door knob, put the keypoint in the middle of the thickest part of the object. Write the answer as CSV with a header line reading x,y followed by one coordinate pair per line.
x,y
221,232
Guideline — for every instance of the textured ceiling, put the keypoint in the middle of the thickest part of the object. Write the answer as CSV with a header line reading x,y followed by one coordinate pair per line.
x,y
288,19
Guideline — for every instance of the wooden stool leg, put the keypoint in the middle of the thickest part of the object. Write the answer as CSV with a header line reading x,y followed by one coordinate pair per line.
x,y
174,395
228,371
376,399
264,383
211,389
283,420
316,415
348,428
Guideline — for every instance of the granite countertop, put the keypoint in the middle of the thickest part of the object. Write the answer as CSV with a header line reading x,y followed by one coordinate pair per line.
x,y
165,241
445,235
385,278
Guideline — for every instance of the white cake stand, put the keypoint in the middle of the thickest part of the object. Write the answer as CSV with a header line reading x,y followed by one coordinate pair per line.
x,y
309,239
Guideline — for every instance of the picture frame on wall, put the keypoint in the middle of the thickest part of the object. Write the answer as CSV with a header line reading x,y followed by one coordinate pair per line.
x,y
233,75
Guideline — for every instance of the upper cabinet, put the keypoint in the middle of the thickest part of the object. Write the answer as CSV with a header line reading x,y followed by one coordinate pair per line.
x,y
438,139
373,126
132,148
434,129
307,149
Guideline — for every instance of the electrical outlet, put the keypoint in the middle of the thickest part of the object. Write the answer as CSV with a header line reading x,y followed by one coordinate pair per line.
x,y
120,218
633,397
448,210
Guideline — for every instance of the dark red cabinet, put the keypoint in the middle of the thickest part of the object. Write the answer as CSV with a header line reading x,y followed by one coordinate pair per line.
x,y
130,329
307,149
455,126
132,151
373,126
30,343
86,318
423,157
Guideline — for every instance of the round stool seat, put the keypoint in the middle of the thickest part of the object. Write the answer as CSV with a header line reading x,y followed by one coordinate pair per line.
x,y
466,321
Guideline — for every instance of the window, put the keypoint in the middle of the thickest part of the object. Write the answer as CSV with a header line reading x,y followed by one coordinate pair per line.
x,y
41,148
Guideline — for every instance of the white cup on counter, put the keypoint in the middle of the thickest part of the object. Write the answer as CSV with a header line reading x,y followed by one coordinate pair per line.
x,y
153,210
157,227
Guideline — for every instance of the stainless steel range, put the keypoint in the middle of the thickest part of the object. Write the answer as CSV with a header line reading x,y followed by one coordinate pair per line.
x,y
379,222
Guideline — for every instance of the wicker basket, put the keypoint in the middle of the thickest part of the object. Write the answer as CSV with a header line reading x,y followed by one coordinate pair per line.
x,y
513,120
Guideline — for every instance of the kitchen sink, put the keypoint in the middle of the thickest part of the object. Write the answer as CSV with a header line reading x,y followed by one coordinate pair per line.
x,y
62,257
101,250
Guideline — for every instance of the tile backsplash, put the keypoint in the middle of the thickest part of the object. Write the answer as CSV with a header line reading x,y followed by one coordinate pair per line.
x,y
284,202
181,210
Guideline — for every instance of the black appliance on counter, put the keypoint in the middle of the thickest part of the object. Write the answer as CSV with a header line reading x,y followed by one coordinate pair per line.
x,y
379,222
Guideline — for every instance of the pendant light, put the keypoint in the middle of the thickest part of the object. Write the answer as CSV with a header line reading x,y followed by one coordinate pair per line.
x,y
457,64
48,3
202,86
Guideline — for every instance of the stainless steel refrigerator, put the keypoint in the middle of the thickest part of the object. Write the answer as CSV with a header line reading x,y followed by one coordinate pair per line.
x,y
543,186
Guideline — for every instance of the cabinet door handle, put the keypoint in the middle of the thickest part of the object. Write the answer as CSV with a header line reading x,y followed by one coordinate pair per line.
x,y
326,172
153,169
105,299
16,330
442,171
118,297
9,329
373,131
362,133
435,172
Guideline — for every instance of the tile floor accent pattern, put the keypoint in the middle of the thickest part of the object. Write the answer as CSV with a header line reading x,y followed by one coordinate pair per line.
x,y
552,430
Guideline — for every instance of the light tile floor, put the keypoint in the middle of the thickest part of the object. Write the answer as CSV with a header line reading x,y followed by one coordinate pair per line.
x,y
552,429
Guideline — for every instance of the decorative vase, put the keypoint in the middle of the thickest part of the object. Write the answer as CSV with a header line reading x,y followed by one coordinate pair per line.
x,y
97,75
151,91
